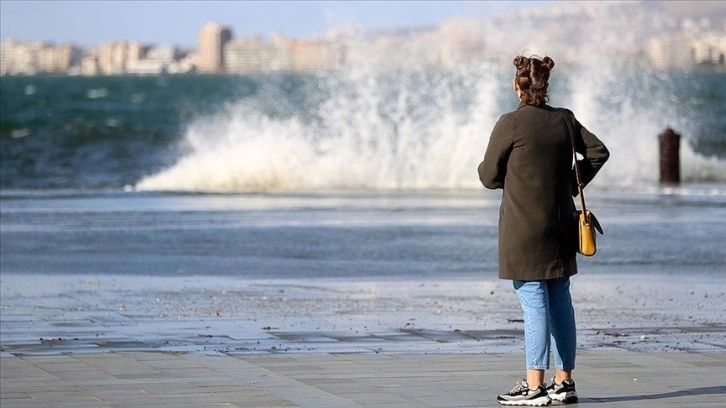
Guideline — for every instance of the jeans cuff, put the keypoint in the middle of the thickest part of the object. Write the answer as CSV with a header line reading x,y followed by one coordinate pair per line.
x,y
563,368
538,367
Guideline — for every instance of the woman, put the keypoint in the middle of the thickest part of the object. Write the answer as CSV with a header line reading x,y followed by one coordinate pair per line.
x,y
529,156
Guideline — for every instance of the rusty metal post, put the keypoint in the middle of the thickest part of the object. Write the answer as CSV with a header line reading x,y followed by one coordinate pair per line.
x,y
670,162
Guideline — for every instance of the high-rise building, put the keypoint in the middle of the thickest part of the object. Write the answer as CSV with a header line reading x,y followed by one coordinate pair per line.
x,y
247,55
113,57
212,39
53,58
89,64
18,58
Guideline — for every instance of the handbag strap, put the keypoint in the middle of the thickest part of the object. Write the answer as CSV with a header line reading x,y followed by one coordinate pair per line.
x,y
577,168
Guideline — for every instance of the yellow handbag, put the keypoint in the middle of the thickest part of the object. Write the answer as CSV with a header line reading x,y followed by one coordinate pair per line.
x,y
586,221
586,226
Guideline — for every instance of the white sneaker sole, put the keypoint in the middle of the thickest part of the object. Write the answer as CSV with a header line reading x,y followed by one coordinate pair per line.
x,y
568,397
538,402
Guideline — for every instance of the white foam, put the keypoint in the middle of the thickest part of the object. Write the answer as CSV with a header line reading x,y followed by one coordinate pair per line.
x,y
422,136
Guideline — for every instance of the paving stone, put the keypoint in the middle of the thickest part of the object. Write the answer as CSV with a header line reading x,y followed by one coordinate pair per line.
x,y
141,379
13,395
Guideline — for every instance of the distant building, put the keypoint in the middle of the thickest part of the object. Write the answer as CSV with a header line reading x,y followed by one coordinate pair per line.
x,y
187,63
248,55
23,58
315,56
46,58
89,64
668,51
212,39
156,61
17,58
113,57
282,61
254,55
622,30
709,50
677,51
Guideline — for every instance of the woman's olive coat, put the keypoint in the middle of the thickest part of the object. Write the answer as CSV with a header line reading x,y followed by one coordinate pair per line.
x,y
529,156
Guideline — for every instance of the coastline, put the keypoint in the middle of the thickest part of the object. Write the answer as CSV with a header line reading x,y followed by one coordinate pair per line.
x,y
57,314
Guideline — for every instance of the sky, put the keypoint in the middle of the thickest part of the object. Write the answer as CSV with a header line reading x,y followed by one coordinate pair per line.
x,y
171,22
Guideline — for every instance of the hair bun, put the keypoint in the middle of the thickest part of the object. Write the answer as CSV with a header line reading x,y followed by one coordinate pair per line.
x,y
532,78
520,62
548,62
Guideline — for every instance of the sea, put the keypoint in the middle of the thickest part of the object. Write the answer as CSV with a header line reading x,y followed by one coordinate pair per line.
x,y
348,174
138,212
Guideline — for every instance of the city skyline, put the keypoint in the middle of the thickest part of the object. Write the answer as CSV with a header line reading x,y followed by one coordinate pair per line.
x,y
652,31
175,22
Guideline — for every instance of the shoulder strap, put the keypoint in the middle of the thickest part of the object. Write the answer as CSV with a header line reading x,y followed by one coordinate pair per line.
x,y
574,155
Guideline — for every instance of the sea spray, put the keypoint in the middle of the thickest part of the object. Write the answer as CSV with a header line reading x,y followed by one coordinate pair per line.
x,y
408,123
375,130
628,105
423,129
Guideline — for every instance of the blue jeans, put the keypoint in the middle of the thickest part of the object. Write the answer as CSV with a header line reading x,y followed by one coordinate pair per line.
x,y
548,314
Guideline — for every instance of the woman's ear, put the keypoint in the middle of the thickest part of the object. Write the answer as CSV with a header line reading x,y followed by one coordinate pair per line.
x,y
514,85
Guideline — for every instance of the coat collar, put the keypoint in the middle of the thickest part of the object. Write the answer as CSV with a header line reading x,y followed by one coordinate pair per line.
x,y
522,105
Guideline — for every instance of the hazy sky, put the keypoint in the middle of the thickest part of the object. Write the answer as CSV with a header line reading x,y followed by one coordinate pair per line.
x,y
177,22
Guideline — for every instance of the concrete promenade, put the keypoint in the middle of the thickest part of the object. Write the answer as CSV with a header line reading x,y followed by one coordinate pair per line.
x,y
605,378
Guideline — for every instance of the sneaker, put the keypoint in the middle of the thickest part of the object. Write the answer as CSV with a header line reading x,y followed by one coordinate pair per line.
x,y
564,392
521,395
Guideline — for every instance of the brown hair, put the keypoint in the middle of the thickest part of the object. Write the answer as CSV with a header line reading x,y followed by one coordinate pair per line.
x,y
532,78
